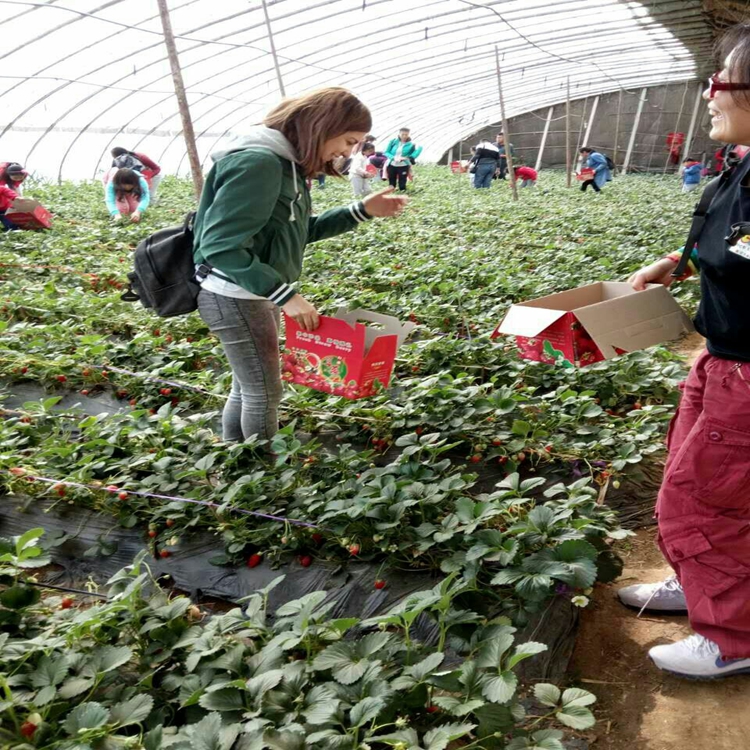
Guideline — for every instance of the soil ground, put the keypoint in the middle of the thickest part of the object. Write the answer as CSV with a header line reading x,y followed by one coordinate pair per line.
x,y
639,707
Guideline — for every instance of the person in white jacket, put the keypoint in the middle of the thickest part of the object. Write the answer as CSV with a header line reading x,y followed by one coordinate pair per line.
x,y
361,171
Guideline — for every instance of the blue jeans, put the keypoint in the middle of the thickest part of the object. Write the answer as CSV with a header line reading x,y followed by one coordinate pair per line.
x,y
483,175
248,330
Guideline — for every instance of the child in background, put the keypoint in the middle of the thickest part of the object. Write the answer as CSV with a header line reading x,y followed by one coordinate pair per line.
x,y
126,194
691,174
361,171
527,175
12,175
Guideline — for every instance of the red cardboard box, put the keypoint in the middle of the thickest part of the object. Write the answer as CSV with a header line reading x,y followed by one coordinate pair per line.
x,y
29,214
595,322
342,356
585,175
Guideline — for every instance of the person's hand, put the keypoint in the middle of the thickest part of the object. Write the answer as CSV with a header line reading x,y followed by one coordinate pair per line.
x,y
303,313
135,217
657,273
383,204
116,218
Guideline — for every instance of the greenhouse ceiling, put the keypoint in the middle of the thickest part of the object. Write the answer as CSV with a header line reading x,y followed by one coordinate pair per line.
x,y
80,76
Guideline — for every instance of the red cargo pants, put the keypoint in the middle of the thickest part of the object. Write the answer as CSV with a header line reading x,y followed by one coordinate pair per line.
x,y
704,501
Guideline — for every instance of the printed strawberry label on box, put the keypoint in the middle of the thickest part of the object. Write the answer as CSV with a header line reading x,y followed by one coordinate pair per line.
x,y
593,323
342,356
29,214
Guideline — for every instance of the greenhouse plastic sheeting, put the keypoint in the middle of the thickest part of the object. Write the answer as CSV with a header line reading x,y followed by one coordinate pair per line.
x,y
190,570
80,77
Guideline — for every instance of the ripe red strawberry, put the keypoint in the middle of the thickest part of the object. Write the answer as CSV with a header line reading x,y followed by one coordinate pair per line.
x,y
152,533
549,448
254,560
59,489
122,495
502,460
60,378
26,420
168,339
432,709
85,372
85,392
28,729
170,522
24,370
66,603
157,332
354,549
122,394
105,374
475,459
317,538
305,561
379,584
637,405
497,442
165,553
166,391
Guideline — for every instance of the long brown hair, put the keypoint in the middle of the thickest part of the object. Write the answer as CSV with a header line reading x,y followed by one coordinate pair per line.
x,y
124,177
308,121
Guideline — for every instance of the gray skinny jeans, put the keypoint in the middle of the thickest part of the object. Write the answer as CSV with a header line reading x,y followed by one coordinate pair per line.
x,y
249,332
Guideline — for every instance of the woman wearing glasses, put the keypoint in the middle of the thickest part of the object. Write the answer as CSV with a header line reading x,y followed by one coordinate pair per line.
x,y
703,506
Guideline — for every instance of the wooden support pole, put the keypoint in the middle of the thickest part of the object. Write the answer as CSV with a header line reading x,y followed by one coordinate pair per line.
x,y
568,159
694,118
617,128
506,133
677,128
182,102
591,121
280,80
544,139
633,132
579,145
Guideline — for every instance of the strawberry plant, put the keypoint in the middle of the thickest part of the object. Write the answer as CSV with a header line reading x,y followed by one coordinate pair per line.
x,y
143,669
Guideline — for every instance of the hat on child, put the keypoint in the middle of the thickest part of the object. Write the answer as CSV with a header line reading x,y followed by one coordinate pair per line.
x,y
15,168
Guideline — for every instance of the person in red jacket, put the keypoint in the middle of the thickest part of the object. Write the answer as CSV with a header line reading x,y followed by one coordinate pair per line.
x,y
7,196
527,175
138,162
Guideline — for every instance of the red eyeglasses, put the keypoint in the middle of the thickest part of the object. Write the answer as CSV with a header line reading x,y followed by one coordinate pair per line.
x,y
716,84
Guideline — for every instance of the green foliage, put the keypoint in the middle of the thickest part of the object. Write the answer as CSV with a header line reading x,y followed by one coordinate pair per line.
x,y
146,670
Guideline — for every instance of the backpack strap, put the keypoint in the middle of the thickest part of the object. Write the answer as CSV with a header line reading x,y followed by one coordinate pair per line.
x,y
700,215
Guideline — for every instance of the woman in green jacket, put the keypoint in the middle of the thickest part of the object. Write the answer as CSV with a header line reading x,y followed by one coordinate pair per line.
x,y
401,154
253,222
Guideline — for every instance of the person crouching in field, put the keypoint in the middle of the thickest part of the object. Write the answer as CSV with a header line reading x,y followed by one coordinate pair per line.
x,y
126,194
527,175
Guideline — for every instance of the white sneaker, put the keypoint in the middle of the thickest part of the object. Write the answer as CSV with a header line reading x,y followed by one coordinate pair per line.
x,y
697,657
666,596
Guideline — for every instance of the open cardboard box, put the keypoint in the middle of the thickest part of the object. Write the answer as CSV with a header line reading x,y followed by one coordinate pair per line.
x,y
595,322
29,214
343,356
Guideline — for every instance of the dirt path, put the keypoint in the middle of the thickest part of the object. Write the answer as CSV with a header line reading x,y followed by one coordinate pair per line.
x,y
640,707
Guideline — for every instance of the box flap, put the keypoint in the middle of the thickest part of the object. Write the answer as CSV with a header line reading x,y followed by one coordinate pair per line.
x,y
23,206
522,320
631,320
390,326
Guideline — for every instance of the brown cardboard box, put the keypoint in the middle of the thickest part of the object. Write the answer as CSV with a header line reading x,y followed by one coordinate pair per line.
x,y
595,322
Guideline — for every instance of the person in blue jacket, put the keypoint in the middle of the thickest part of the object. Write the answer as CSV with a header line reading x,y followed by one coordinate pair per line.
x,y
691,174
597,162
401,154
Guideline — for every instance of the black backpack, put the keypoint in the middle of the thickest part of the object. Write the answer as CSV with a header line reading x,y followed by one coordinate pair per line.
x,y
610,163
128,161
163,278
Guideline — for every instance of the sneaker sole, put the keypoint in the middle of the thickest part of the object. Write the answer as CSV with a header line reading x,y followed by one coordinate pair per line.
x,y
653,610
703,678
